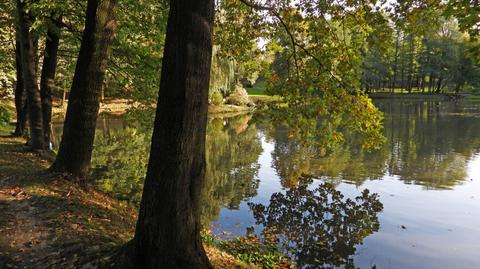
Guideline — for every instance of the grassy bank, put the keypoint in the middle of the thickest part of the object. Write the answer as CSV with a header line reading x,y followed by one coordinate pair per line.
x,y
416,96
472,97
258,88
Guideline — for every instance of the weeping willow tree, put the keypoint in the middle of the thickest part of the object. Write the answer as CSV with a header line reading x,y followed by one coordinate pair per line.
x,y
223,79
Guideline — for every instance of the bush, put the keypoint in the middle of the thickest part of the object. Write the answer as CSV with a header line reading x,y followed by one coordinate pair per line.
x,y
216,98
5,116
239,97
252,250
6,85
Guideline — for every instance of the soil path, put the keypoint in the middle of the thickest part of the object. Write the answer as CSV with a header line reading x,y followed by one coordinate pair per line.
x,y
49,222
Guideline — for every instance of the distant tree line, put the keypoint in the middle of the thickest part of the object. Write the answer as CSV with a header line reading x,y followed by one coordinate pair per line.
x,y
422,52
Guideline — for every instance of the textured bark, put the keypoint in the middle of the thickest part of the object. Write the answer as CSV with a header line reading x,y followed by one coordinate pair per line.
x,y
20,95
47,82
168,229
29,72
75,150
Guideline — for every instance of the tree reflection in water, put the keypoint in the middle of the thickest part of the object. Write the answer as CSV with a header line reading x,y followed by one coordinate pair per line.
x,y
233,147
232,151
318,227
428,144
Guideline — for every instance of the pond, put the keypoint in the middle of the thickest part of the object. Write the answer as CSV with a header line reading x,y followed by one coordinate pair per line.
x,y
426,176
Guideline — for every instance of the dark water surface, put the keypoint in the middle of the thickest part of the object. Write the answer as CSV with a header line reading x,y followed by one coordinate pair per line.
x,y
427,177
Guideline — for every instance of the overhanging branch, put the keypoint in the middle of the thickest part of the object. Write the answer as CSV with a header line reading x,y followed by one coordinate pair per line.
x,y
292,38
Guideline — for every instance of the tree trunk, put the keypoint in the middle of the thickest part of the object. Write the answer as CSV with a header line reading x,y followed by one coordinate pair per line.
x,y
431,80
439,85
402,83
64,96
168,228
421,83
29,72
20,95
395,65
47,82
75,150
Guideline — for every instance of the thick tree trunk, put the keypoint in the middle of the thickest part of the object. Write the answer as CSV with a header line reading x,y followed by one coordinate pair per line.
x,y
75,150
29,72
47,82
20,95
168,228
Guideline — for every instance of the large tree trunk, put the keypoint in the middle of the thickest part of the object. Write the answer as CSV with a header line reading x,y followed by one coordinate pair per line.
x,y
29,72
20,95
75,150
168,228
47,82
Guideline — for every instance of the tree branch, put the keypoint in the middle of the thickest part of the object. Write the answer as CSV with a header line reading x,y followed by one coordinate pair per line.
x,y
293,39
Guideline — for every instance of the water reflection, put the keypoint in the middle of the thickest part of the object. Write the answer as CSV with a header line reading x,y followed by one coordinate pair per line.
x,y
430,146
318,227
233,145
232,150
428,143
120,162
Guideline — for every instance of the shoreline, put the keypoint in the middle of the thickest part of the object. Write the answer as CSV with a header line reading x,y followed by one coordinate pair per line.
x,y
421,96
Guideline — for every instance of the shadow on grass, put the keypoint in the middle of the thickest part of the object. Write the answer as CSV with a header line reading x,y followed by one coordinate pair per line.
x,y
56,232
17,166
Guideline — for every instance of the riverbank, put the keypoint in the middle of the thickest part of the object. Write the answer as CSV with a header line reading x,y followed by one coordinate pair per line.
x,y
47,221
420,96
118,106
115,106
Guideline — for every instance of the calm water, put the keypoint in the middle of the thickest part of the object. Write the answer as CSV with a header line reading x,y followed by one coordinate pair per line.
x,y
427,176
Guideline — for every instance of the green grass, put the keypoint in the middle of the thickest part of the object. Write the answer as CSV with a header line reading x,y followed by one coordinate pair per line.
x,y
5,130
258,88
473,98
6,116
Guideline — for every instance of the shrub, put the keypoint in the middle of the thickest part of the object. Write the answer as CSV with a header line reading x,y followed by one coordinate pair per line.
x,y
216,98
5,116
252,250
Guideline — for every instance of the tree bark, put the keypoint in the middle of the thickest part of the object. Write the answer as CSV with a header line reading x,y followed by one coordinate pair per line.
x,y
168,228
29,73
47,82
20,95
75,150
